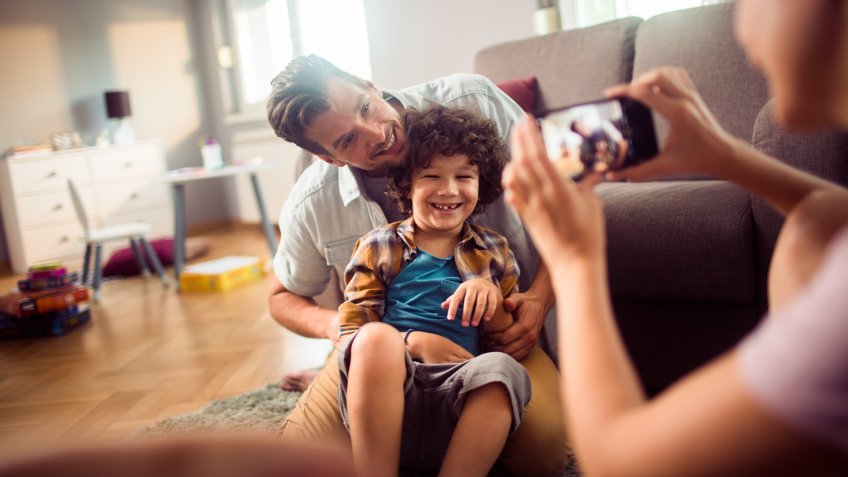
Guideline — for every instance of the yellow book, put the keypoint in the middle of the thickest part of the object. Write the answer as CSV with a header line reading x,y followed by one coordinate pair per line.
x,y
222,274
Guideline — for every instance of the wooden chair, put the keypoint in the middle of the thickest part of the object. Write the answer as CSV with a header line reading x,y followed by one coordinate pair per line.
x,y
95,237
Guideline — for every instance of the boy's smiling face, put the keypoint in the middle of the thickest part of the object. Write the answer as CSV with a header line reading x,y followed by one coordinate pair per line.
x,y
444,194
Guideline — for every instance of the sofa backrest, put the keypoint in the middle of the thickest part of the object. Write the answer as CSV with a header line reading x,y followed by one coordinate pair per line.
x,y
570,66
701,41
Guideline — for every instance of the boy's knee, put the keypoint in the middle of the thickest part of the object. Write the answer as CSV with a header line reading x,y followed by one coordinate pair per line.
x,y
377,340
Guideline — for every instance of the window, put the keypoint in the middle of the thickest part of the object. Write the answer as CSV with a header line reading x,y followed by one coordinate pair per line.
x,y
258,38
591,12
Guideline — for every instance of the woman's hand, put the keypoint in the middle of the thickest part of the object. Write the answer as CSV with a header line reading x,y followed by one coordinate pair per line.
x,y
565,219
696,143
478,295
434,349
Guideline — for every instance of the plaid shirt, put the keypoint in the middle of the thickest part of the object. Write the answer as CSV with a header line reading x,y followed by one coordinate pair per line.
x,y
381,254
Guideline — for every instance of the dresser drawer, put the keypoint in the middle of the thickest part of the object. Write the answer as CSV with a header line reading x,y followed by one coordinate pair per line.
x,y
49,208
46,243
128,196
48,174
127,164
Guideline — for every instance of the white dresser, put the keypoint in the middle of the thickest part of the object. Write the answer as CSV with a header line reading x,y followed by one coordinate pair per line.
x,y
117,183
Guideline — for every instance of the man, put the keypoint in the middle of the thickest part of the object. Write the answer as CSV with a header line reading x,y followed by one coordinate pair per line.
x,y
357,132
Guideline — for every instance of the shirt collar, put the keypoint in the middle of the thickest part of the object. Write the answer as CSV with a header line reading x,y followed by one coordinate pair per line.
x,y
348,185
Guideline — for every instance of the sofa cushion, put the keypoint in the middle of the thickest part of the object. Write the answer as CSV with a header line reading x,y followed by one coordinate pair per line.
x,y
570,66
522,91
679,240
701,41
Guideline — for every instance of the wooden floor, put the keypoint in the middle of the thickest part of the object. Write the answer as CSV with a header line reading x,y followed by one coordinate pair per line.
x,y
148,353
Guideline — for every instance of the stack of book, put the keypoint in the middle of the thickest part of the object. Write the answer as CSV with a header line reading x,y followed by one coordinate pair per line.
x,y
49,302
222,274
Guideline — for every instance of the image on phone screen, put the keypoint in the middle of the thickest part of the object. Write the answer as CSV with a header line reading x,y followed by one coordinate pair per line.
x,y
598,136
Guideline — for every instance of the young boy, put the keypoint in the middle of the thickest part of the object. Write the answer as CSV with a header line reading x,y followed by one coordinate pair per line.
x,y
415,391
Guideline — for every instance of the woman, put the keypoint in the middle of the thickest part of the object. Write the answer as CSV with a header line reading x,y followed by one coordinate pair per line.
x,y
778,403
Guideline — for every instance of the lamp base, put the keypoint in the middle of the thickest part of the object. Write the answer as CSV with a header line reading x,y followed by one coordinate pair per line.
x,y
124,133
546,21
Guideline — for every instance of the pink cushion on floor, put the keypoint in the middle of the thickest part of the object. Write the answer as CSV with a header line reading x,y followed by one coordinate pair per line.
x,y
123,263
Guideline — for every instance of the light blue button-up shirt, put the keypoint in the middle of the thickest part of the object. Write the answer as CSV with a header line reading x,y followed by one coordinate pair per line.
x,y
328,209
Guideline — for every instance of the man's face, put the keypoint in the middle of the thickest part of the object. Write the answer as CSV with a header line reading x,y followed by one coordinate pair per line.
x,y
361,129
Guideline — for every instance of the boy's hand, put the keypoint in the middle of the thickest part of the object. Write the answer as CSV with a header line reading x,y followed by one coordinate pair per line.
x,y
478,296
434,349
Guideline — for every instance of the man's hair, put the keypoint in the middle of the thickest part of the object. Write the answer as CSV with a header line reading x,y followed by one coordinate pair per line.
x,y
299,94
449,132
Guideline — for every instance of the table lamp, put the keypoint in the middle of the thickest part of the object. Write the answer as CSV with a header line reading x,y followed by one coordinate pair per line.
x,y
118,107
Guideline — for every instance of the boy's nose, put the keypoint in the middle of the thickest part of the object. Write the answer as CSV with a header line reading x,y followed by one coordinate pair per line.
x,y
448,188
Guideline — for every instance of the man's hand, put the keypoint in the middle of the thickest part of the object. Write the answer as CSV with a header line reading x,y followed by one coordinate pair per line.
x,y
477,295
434,349
529,311
331,332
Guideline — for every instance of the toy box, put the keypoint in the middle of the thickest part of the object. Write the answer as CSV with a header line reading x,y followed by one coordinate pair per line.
x,y
222,274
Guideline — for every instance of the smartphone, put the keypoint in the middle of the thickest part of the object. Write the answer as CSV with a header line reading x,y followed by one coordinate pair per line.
x,y
598,136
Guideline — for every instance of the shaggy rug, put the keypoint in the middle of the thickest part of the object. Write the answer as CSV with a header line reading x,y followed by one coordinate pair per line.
x,y
261,410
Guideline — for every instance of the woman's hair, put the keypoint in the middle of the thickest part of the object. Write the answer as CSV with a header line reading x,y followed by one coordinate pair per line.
x,y
299,94
448,132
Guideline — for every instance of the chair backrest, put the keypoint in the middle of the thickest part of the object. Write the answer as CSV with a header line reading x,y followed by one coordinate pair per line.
x,y
75,197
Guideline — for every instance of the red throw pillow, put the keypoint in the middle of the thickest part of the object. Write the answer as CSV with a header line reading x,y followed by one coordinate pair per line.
x,y
522,91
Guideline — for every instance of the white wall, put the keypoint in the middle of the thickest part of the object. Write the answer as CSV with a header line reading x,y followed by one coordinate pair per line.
x,y
58,56
417,40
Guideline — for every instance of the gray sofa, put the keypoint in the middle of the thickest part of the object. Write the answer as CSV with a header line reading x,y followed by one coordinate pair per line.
x,y
688,258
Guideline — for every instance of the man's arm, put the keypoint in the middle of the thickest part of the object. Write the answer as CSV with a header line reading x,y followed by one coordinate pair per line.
x,y
301,314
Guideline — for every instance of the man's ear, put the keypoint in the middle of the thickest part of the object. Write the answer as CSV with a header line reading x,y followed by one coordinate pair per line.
x,y
331,161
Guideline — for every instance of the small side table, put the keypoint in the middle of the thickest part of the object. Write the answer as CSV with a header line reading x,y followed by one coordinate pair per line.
x,y
179,177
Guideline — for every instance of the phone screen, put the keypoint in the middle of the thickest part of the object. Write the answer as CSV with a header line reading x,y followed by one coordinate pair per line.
x,y
598,136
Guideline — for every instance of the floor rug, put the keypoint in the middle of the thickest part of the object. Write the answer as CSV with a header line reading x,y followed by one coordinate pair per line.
x,y
261,410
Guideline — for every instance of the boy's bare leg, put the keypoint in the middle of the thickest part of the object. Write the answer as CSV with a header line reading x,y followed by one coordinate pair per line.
x,y
375,399
480,433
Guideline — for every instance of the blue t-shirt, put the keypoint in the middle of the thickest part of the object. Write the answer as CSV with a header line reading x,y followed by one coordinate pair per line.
x,y
414,300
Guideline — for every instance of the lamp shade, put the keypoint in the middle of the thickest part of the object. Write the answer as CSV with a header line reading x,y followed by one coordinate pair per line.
x,y
117,104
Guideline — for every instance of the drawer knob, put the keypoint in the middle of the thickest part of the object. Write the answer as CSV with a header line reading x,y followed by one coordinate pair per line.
x,y
64,239
51,174
134,195
57,206
128,164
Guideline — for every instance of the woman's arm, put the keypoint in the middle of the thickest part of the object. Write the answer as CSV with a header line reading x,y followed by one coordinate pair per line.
x,y
707,424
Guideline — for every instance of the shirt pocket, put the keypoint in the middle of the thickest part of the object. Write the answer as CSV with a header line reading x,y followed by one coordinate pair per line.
x,y
339,251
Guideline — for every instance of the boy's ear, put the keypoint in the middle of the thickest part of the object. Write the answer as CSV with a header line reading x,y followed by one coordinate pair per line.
x,y
330,160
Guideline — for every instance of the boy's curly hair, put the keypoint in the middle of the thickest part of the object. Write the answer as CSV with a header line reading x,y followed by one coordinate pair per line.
x,y
448,132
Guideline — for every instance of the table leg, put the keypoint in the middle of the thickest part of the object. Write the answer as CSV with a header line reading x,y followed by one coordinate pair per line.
x,y
178,192
266,225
